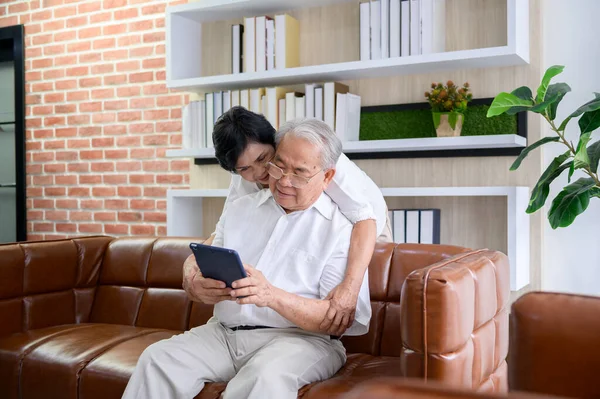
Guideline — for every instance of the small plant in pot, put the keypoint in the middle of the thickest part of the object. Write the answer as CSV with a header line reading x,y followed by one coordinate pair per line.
x,y
448,105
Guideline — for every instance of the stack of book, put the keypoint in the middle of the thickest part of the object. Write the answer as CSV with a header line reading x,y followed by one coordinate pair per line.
x,y
398,28
330,102
418,226
265,43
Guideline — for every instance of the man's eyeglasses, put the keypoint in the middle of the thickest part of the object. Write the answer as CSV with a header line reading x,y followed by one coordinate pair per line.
x,y
296,181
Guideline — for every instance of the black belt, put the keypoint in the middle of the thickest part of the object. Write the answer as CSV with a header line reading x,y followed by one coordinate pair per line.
x,y
249,328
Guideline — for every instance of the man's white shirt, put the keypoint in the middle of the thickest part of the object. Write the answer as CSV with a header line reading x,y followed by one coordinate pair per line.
x,y
303,252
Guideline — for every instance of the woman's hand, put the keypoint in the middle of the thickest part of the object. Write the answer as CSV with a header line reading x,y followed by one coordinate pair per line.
x,y
255,289
342,307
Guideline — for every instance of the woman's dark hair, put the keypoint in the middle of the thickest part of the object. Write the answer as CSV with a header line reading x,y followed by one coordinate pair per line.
x,y
234,130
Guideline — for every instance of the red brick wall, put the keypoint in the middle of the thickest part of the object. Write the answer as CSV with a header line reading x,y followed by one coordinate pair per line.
x,y
99,117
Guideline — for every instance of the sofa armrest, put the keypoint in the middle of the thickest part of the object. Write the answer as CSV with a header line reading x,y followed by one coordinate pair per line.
x,y
555,344
454,314
48,283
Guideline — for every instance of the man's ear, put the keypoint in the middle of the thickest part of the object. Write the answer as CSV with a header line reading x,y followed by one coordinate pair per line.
x,y
329,173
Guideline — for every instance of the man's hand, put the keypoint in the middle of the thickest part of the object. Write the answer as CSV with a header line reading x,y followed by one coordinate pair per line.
x,y
342,306
200,289
255,288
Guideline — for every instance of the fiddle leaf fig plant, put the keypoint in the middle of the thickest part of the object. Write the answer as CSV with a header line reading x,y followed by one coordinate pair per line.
x,y
575,197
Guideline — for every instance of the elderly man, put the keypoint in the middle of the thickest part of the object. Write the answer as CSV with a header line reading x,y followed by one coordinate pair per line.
x,y
268,344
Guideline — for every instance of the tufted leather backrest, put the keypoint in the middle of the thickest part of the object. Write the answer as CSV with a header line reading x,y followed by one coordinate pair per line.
x,y
48,283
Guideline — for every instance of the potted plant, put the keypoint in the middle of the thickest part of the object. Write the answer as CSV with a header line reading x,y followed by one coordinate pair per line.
x,y
575,197
448,104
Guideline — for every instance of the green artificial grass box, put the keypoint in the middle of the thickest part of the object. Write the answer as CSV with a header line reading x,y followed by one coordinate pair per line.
x,y
399,122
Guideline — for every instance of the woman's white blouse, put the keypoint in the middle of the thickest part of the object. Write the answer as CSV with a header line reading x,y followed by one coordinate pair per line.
x,y
357,196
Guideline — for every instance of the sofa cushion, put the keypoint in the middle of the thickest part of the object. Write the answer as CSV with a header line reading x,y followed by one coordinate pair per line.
x,y
106,376
50,360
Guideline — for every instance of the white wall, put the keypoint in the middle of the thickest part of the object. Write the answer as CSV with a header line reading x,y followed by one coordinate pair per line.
x,y
571,255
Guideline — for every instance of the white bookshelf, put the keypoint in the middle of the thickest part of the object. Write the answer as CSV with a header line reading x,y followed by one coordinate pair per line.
x,y
184,55
400,145
184,216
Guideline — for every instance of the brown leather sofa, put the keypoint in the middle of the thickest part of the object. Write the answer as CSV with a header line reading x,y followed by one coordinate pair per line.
x,y
555,345
76,315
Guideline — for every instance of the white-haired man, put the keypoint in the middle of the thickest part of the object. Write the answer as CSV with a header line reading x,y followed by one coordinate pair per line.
x,y
269,343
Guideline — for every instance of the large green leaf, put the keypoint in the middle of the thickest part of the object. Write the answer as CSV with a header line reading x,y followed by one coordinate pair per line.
x,y
550,73
570,202
594,155
524,93
591,105
505,101
559,90
532,147
541,107
542,188
590,121
581,156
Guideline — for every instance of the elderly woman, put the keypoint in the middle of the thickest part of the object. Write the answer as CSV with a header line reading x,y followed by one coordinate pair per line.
x,y
244,144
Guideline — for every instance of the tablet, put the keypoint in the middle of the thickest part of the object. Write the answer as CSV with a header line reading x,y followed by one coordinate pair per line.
x,y
218,263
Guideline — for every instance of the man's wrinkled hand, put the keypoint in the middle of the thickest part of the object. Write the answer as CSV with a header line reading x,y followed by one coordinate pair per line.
x,y
342,307
255,289
200,289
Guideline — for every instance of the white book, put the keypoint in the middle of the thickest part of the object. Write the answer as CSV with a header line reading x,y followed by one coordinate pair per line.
x,y
194,124
263,105
271,109
375,30
282,110
412,226
300,107
226,101
329,96
186,121
415,27
309,98
236,48
385,28
255,100
319,102
261,44
245,99
427,226
208,119
405,28
365,32
433,21
249,45
352,124
340,117
394,28
290,106
270,44
235,98
398,226
217,105
201,127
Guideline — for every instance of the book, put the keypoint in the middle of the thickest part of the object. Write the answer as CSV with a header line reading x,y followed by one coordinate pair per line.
x,y
237,34
261,44
235,98
375,30
340,116
365,32
300,107
394,28
309,99
319,103
290,105
415,27
226,101
217,105
352,128
287,42
385,28
405,28
271,112
245,99
270,44
256,96
249,44
415,226
433,21
330,91
282,109
208,119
